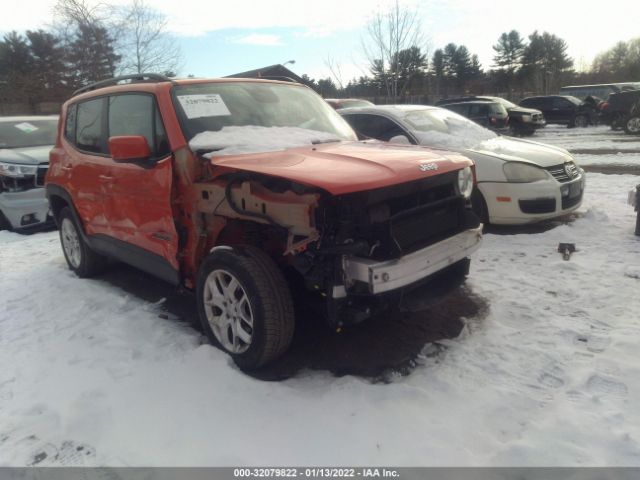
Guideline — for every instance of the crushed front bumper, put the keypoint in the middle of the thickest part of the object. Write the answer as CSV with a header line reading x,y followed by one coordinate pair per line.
x,y
389,275
26,209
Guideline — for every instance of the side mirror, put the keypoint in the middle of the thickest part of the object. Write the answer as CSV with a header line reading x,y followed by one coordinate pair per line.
x,y
401,139
129,148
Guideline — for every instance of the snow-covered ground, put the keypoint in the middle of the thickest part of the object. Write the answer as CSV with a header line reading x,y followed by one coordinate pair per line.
x,y
548,375
590,138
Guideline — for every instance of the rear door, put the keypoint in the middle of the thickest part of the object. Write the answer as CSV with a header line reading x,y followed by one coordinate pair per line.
x,y
85,163
139,207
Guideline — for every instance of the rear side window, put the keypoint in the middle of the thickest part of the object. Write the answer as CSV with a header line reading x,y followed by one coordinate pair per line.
x,y
478,110
133,114
90,128
70,125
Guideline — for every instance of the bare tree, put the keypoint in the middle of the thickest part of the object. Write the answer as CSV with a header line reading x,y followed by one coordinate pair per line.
x,y
146,44
336,70
388,33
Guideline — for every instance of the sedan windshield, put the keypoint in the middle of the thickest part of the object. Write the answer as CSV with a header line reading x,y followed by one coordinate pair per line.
x,y
243,117
28,133
438,127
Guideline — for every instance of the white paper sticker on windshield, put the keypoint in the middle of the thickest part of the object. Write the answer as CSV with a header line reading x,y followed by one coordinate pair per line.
x,y
207,105
26,127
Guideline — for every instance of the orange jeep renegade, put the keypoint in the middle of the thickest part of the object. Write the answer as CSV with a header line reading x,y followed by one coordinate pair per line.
x,y
237,188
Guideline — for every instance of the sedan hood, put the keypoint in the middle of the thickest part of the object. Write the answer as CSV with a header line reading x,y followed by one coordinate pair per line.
x,y
347,167
26,155
524,111
515,149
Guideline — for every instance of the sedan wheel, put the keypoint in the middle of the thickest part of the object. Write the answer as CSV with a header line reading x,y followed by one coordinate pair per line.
x,y
581,121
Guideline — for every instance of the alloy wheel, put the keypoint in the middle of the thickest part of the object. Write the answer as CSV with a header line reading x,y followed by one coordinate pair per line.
x,y
633,125
228,311
71,242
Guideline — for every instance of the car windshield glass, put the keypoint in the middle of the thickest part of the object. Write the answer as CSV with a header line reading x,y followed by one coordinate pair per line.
x,y
443,128
505,102
574,100
248,117
28,133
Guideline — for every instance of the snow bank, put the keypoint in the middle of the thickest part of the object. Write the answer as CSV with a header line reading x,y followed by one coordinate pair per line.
x,y
619,158
550,376
255,139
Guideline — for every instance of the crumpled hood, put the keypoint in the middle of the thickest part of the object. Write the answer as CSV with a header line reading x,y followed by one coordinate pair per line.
x,y
26,155
515,149
348,166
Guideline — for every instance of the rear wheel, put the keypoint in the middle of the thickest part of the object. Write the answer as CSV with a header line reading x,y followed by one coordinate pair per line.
x,y
245,305
80,258
632,125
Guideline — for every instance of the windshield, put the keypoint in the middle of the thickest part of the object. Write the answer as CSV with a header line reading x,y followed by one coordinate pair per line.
x,y
505,102
443,128
574,100
219,113
28,133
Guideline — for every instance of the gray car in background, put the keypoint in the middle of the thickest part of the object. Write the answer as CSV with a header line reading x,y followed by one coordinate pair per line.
x,y
25,143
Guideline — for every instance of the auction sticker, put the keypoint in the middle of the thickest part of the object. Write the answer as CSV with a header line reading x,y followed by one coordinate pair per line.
x,y
207,105
26,127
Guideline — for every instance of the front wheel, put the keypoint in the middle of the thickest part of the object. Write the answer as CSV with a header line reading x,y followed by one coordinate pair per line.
x,y
245,305
581,121
632,125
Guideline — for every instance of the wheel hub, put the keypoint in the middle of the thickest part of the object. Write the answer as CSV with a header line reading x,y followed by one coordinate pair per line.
x,y
228,311
70,242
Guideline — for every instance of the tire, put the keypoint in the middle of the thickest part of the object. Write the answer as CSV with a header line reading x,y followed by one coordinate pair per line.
x,y
632,125
479,206
4,223
252,321
581,121
80,258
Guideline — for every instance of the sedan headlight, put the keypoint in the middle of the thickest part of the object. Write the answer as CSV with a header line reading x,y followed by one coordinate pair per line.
x,y
526,118
518,172
465,182
16,170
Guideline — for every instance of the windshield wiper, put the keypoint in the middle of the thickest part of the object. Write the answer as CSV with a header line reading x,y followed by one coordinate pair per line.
x,y
329,140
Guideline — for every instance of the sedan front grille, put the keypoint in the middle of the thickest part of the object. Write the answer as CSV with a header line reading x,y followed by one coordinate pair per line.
x,y
564,173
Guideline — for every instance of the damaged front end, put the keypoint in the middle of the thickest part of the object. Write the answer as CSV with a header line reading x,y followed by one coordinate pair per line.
x,y
354,253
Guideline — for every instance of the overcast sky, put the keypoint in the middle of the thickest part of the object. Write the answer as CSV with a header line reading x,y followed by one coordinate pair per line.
x,y
224,37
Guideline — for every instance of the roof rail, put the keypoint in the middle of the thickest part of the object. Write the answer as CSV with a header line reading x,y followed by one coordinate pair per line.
x,y
135,78
282,78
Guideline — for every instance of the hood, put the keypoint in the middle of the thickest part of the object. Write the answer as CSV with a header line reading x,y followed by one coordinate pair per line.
x,y
26,155
515,149
347,167
524,111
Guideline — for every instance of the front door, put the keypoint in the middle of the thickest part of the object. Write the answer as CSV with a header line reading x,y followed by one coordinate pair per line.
x,y
139,206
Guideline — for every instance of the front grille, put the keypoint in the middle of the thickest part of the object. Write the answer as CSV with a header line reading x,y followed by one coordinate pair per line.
x,y
539,205
564,173
42,173
404,218
536,117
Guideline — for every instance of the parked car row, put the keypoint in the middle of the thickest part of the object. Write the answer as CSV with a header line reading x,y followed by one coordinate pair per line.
x,y
237,189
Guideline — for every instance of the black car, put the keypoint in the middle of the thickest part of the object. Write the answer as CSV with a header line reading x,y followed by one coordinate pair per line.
x,y
563,109
490,115
522,121
617,108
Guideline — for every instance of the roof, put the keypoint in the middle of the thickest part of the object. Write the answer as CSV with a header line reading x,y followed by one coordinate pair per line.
x,y
276,70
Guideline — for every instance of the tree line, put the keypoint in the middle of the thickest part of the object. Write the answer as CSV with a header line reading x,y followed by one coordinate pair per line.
x,y
84,44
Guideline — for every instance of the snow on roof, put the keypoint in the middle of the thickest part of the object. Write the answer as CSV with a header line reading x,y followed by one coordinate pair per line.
x,y
237,140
